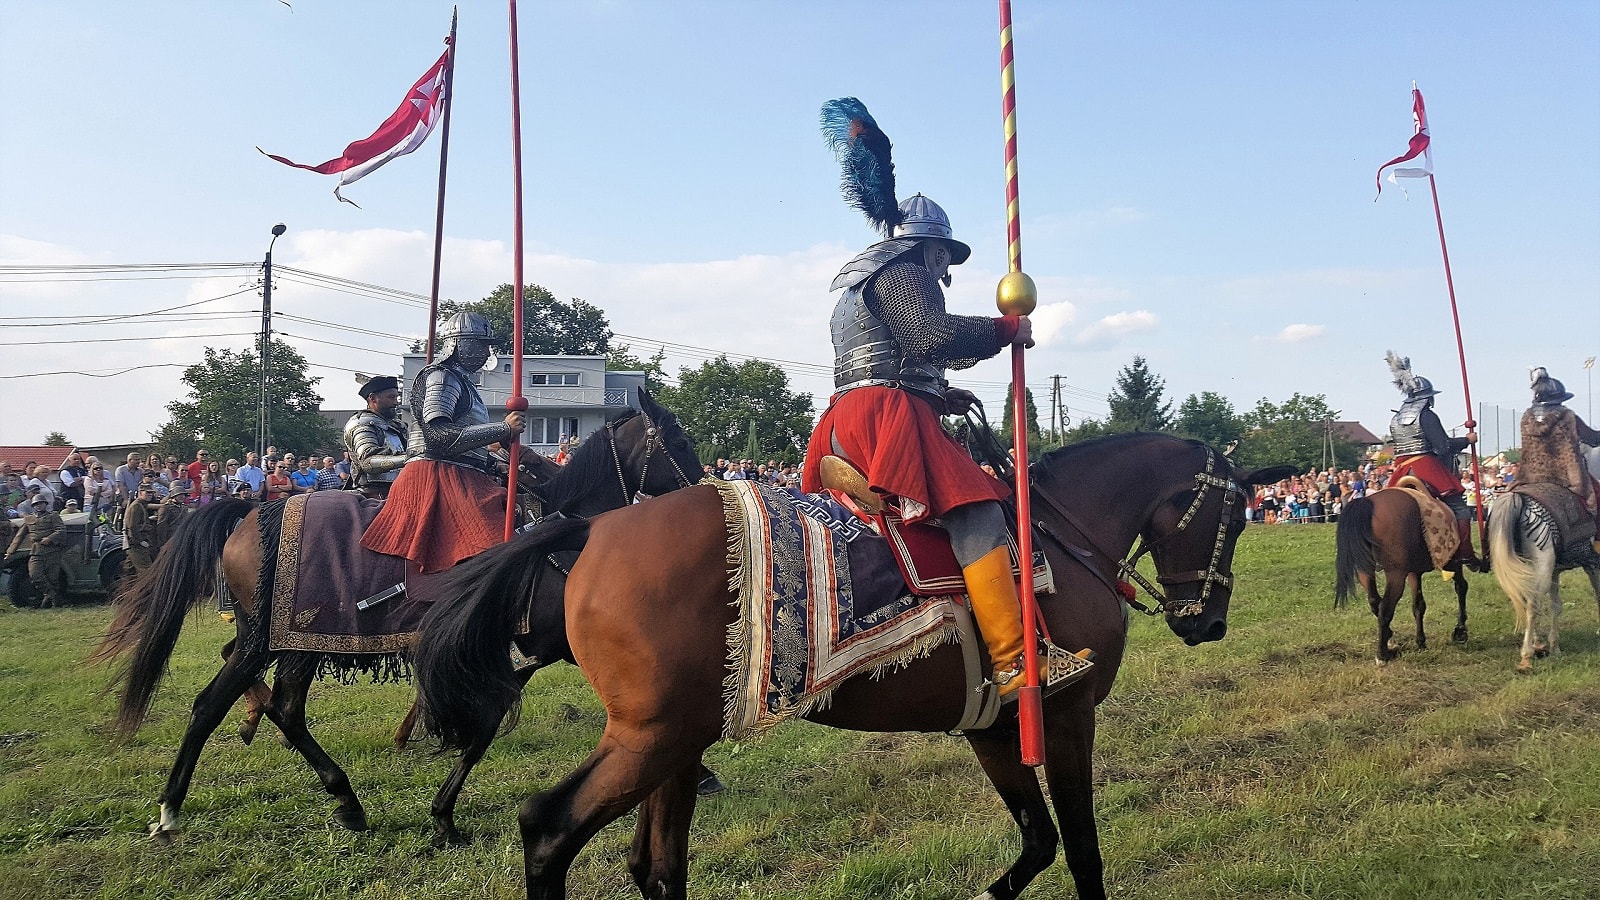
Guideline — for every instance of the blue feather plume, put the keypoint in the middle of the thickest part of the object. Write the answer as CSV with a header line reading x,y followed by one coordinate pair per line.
x,y
867,179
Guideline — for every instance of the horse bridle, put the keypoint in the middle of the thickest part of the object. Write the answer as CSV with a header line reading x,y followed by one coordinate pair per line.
x,y
654,443
1204,481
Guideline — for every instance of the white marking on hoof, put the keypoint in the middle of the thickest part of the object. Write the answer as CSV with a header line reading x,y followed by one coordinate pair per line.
x,y
984,896
166,826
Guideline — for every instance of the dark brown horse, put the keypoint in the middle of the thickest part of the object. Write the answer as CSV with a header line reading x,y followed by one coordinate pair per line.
x,y
636,454
648,607
1383,532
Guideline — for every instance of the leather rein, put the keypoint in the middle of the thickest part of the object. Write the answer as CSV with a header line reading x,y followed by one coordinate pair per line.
x,y
653,444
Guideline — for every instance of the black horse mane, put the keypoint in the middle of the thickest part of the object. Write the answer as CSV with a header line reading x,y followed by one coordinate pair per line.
x,y
1110,443
591,462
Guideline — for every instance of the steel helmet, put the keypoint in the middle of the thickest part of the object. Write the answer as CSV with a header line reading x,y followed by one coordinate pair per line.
x,y
920,217
460,328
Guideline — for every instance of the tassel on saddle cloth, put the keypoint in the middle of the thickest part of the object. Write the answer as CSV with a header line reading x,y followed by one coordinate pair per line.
x,y
818,605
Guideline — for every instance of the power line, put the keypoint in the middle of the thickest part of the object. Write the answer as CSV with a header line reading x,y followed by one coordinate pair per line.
x,y
99,374
169,337
102,321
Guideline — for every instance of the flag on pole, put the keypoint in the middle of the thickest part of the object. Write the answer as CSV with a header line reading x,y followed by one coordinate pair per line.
x,y
400,134
1419,144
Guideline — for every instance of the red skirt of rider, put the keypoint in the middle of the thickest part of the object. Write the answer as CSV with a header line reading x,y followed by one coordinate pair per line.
x,y
1430,469
438,514
894,437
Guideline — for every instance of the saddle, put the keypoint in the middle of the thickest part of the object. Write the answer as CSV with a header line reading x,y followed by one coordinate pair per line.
x,y
921,550
1439,532
1574,523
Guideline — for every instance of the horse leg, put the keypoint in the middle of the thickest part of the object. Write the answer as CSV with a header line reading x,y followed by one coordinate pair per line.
x,y
210,708
1383,608
444,802
626,766
1460,634
999,751
288,712
402,735
257,697
1555,615
659,857
1418,607
1594,583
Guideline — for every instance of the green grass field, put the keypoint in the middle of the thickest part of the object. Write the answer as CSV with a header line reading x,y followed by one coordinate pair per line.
x,y
1280,762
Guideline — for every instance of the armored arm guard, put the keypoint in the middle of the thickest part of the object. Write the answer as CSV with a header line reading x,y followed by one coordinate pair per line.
x,y
372,447
905,296
1586,435
454,422
1439,442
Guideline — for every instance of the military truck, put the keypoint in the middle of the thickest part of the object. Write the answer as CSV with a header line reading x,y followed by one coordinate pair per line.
x,y
92,562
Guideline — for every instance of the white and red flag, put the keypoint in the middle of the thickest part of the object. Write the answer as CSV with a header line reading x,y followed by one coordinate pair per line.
x,y
399,134
1419,145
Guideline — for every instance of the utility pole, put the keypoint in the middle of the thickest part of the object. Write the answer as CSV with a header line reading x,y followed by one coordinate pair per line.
x,y
1588,368
1055,408
264,419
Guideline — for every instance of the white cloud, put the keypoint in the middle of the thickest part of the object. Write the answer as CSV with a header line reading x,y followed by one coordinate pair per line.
x,y
1111,329
1294,334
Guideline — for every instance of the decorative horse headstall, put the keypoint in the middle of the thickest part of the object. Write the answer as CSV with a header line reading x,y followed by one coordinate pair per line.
x,y
654,443
1204,482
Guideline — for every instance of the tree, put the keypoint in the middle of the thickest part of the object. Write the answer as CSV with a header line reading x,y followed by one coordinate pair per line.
x,y
57,439
1210,417
1006,432
1136,400
549,326
720,402
1296,432
620,358
221,410
1085,430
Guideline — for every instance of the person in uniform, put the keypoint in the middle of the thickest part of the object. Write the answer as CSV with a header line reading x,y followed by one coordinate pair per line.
x,y
45,561
1423,450
1551,435
169,513
893,340
376,439
139,530
446,504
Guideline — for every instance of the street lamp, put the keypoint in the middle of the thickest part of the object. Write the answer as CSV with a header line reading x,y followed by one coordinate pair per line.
x,y
263,420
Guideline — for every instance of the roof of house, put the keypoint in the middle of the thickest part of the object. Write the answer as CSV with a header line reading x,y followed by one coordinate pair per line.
x,y
41,454
1356,433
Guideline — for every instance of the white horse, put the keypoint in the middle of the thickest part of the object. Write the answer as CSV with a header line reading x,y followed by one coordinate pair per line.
x,y
1522,544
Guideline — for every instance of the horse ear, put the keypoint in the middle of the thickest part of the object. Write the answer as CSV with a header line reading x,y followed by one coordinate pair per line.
x,y
1266,475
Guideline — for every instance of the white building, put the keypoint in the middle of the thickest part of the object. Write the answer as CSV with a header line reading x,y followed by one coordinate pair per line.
x,y
568,396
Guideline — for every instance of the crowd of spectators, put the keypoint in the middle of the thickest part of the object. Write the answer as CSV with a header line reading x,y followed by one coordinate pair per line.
x,y
1321,495
785,475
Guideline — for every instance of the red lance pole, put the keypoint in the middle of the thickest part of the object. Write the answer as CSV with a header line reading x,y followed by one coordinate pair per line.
x,y
1017,296
444,165
1461,352
516,402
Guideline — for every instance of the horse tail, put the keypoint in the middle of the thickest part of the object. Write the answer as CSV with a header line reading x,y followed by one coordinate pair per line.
x,y
462,660
1518,575
1355,551
150,611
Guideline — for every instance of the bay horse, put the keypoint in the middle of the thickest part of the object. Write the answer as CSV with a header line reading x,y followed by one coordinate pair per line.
x,y
637,454
648,608
1528,561
1383,532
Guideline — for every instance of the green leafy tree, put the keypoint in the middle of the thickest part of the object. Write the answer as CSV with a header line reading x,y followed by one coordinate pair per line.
x,y
1085,430
1296,432
549,326
1007,432
1210,417
57,439
221,409
721,402
1136,400
620,358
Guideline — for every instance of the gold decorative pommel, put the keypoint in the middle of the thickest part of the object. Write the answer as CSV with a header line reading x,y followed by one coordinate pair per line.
x,y
1016,295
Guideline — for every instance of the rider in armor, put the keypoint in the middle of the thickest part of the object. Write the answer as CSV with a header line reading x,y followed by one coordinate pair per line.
x,y
1423,450
893,341
446,503
1551,434
376,439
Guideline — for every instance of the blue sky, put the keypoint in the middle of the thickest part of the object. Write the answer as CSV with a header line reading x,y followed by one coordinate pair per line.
x,y
1197,182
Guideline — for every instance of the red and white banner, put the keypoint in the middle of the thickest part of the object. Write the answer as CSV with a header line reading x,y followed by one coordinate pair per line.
x,y
1419,144
400,134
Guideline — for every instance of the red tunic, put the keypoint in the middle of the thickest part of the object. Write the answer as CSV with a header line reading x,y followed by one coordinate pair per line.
x,y
1431,470
894,437
438,514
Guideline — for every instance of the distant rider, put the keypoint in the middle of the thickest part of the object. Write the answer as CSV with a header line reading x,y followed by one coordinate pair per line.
x,y
1551,435
1422,449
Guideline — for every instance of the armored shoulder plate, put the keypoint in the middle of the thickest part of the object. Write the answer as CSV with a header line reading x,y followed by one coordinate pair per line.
x,y
869,261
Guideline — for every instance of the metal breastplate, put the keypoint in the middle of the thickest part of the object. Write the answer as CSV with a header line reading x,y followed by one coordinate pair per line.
x,y
369,435
1406,433
865,351
448,393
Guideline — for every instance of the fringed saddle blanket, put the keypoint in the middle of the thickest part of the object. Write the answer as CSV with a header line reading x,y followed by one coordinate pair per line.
x,y
1438,525
804,625
1574,525
320,574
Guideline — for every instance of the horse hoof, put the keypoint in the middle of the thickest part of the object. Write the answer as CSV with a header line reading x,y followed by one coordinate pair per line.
x,y
247,731
164,837
709,783
448,836
1459,635
1524,668
354,820
1541,652
1382,662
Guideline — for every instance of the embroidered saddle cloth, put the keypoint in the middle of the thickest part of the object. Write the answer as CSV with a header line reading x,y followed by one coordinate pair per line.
x,y
321,574
806,621
1574,524
1438,525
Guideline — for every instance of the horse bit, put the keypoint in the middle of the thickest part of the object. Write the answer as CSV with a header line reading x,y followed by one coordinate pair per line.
x,y
1204,482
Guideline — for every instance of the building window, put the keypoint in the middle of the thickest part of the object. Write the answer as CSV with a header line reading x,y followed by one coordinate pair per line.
x,y
569,427
506,368
541,379
537,426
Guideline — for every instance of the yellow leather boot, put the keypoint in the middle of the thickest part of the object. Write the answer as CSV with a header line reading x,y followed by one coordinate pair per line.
x,y
999,614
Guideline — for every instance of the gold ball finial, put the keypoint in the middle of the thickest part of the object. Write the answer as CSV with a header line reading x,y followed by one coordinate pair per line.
x,y
1016,295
